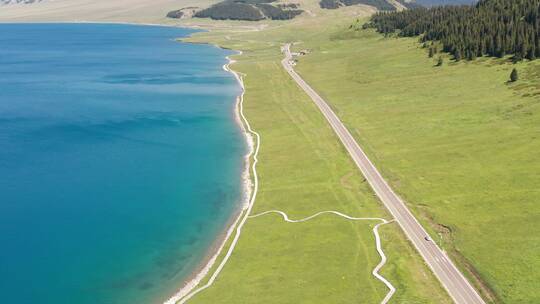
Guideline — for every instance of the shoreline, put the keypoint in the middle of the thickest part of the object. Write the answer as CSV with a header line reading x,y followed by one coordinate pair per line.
x,y
249,192
202,269
187,26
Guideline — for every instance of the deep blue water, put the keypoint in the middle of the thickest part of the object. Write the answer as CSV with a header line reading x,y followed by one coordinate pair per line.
x,y
120,161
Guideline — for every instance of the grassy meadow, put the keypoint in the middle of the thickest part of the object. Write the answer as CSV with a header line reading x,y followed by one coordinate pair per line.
x,y
458,142
303,169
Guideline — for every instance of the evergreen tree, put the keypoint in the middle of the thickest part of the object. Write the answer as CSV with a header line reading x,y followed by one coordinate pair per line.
x,y
440,61
382,5
514,76
457,55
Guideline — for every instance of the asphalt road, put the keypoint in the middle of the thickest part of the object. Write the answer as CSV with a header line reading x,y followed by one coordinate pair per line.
x,y
444,269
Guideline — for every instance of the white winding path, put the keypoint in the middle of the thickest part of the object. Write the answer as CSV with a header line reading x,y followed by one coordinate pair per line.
x,y
189,291
375,272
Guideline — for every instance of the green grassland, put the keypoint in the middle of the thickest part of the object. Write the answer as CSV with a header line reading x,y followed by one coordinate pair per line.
x,y
303,169
458,142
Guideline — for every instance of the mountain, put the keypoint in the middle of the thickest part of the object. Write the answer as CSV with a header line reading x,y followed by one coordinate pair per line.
x,y
5,2
391,5
141,11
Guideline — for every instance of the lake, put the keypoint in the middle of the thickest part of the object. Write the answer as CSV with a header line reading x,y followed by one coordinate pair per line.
x,y
120,161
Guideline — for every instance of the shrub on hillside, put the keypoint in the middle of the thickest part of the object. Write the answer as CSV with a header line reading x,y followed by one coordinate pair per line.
x,y
514,76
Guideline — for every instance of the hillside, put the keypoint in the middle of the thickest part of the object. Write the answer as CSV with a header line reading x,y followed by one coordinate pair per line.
x,y
379,4
458,142
139,11
391,5
491,28
250,10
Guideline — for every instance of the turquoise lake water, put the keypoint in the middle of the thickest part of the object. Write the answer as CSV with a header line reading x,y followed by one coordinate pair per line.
x,y
120,161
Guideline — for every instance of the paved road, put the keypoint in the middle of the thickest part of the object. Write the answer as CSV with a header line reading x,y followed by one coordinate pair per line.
x,y
451,278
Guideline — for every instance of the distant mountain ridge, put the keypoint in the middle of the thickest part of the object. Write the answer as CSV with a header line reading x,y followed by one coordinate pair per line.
x,y
391,5
5,2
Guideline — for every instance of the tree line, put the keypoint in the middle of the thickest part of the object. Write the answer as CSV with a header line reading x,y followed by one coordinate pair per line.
x,y
379,4
429,3
491,27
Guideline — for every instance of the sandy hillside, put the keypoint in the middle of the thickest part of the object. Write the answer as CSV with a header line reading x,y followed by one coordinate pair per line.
x,y
152,11
142,11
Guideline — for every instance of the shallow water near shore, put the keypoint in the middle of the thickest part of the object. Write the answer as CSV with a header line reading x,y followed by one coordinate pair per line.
x,y
120,161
